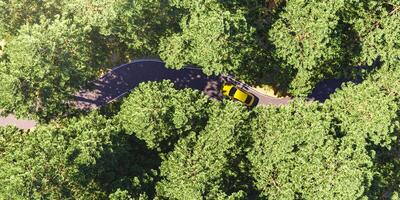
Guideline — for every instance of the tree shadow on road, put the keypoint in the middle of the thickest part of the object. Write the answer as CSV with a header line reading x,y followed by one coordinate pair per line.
x,y
121,80
325,88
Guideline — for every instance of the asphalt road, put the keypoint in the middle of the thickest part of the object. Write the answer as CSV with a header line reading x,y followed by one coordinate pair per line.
x,y
19,123
122,79
119,81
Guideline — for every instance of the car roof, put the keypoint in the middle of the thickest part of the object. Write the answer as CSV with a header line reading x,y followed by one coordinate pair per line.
x,y
240,95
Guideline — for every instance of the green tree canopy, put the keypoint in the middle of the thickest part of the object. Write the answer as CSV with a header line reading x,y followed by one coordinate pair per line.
x,y
142,23
16,13
295,155
365,111
159,114
53,48
207,164
379,29
79,158
45,64
212,36
48,162
307,42
166,143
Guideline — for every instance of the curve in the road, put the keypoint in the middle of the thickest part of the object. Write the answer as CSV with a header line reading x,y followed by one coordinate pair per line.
x,y
122,79
119,81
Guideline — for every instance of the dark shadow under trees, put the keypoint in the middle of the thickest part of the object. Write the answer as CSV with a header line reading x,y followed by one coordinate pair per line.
x,y
126,164
386,180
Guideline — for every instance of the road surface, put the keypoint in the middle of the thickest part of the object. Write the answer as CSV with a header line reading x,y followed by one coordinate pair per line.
x,y
119,81
19,123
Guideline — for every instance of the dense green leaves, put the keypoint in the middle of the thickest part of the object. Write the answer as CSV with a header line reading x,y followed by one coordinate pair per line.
x,y
44,64
166,143
47,162
54,48
159,114
93,14
203,165
379,36
16,13
79,158
307,42
295,156
212,36
143,23
365,109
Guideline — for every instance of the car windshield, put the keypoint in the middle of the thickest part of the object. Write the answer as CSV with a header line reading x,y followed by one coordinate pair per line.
x,y
232,92
248,99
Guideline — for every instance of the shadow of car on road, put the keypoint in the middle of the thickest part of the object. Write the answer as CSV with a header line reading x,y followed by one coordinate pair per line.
x,y
256,101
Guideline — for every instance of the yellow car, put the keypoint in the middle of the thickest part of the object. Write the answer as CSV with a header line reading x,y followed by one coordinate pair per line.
x,y
236,93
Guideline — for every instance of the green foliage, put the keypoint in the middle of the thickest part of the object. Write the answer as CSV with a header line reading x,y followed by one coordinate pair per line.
x,y
127,166
367,115
203,165
177,144
16,13
327,39
79,158
47,163
387,170
46,63
142,23
379,36
54,48
306,40
295,155
120,195
365,111
93,13
159,114
388,79
212,36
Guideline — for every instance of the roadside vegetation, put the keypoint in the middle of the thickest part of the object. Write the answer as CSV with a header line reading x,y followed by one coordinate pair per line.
x,y
164,143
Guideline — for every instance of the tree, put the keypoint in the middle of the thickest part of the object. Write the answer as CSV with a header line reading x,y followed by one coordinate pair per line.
x,y
53,162
16,13
387,170
357,104
93,14
379,28
307,43
159,114
45,64
79,158
367,114
48,57
207,164
212,36
141,24
376,99
166,143
295,155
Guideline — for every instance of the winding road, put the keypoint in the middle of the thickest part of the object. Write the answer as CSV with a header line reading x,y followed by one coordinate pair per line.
x,y
119,81
122,79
